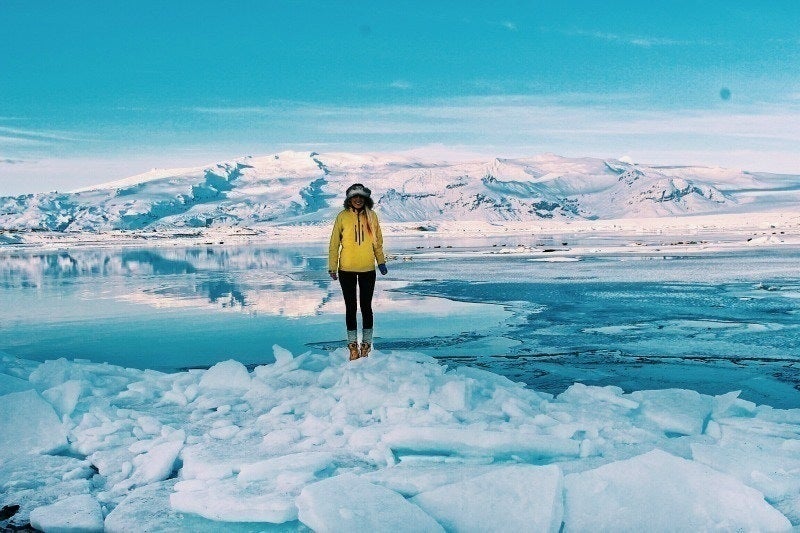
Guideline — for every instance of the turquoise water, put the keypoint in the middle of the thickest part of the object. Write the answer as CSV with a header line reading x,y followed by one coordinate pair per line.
x,y
713,322
189,307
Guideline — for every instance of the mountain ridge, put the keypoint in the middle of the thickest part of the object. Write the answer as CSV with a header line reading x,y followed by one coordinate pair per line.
x,y
307,187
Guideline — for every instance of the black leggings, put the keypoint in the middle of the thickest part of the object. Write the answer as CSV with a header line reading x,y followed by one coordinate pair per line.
x,y
366,286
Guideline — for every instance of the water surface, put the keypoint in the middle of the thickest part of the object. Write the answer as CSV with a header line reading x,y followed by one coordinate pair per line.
x,y
713,322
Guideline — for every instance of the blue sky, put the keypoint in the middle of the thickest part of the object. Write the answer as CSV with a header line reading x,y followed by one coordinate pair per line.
x,y
94,90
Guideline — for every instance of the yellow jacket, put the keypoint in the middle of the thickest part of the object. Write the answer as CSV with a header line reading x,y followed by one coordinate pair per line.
x,y
356,242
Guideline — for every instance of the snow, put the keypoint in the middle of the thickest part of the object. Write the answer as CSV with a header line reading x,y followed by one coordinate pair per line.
x,y
395,442
300,188
744,229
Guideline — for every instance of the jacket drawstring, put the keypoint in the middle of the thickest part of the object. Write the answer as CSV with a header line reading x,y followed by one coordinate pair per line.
x,y
359,229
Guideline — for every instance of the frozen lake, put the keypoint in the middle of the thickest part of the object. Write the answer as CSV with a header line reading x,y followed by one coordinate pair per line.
x,y
709,321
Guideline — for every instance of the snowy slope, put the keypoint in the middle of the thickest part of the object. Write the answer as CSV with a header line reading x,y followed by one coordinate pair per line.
x,y
302,188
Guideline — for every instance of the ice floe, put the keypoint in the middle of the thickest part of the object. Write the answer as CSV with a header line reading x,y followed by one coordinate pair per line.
x,y
81,513
520,497
30,424
657,491
395,441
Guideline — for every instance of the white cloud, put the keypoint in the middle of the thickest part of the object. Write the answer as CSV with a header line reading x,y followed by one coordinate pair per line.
x,y
70,173
39,135
234,111
654,41
569,124
726,135
766,121
14,141
758,137
635,40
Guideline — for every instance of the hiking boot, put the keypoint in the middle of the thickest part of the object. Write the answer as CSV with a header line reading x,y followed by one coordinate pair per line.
x,y
353,347
365,348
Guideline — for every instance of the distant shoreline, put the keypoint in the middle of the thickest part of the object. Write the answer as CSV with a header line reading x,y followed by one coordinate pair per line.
x,y
697,232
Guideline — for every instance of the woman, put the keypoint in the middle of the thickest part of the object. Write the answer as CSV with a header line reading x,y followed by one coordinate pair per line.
x,y
356,245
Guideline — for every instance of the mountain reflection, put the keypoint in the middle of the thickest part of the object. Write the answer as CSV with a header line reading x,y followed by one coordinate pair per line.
x,y
248,279
224,292
157,263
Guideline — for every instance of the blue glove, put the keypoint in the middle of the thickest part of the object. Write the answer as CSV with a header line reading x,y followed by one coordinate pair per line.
x,y
383,269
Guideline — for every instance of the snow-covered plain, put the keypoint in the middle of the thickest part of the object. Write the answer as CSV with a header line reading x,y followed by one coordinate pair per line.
x,y
397,441
394,442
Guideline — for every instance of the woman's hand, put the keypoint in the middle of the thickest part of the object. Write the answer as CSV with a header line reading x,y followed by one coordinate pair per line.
x,y
383,269
333,275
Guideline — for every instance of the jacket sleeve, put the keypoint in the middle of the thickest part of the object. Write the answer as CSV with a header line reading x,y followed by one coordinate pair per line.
x,y
377,245
333,249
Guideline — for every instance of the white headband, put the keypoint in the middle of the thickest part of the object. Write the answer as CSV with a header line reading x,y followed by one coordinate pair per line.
x,y
358,191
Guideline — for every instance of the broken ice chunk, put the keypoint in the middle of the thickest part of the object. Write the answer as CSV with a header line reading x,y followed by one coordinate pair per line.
x,y
347,503
521,498
660,492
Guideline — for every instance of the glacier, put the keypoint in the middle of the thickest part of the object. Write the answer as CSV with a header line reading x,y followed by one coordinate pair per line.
x,y
298,188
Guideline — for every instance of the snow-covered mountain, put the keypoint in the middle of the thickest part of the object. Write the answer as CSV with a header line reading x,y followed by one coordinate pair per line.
x,y
303,188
